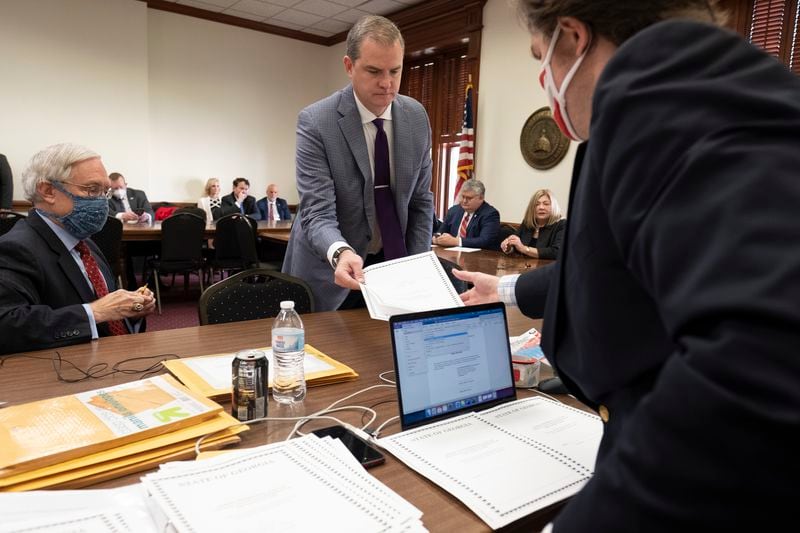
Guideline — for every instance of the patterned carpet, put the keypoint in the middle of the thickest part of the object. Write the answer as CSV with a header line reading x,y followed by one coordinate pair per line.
x,y
178,307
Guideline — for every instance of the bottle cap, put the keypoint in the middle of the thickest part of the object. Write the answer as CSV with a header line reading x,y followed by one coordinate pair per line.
x,y
287,304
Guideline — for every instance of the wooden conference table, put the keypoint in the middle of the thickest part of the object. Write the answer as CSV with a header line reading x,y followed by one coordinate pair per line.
x,y
488,261
348,336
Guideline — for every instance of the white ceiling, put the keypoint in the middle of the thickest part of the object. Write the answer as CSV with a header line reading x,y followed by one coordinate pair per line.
x,y
323,18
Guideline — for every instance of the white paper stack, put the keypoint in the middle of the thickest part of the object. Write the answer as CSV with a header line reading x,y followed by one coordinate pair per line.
x,y
306,484
507,462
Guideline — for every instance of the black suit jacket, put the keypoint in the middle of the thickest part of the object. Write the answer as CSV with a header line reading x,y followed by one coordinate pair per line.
x,y
6,184
136,198
42,289
229,206
549,241
676,301
482,230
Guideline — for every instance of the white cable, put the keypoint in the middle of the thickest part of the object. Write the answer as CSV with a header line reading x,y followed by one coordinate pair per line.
x,y
379,428
387,380
301,423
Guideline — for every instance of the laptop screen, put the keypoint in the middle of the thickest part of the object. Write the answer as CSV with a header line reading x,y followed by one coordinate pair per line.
x,y
451,361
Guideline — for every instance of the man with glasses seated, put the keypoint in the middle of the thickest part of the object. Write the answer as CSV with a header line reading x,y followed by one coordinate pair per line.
x,y
56,288
471,223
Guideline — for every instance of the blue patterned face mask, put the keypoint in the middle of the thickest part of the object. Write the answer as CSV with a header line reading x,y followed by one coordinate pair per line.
x,y
88,215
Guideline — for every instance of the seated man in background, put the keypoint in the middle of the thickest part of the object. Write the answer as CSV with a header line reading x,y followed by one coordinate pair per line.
x,y
238,201
273,208
472,222
56,288
128,205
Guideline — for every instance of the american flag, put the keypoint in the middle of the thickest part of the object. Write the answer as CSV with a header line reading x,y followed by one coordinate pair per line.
x,y
466,164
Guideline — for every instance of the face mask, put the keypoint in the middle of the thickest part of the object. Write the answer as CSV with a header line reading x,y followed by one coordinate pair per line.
x,y
557,99
120,193
88,215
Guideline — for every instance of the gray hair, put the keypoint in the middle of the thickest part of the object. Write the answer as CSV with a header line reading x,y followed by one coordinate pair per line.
x,y
53,163
475,186
377,28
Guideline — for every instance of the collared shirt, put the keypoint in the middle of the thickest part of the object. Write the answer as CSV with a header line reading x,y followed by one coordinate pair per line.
x,y
370,133
506,289
70,242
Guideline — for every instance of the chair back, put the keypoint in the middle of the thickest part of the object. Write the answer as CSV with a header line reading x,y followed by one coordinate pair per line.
x,y
235,243
109,240
193,210
458,284
182,237
8,219
253,294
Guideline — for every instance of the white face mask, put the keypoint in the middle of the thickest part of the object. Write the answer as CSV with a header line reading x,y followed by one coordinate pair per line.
x,y
557,98
120,193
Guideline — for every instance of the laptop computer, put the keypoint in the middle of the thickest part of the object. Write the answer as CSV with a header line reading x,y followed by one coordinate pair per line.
x,y
451,361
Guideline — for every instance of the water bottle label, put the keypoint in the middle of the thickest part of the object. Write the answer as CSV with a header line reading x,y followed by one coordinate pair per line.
x,y
294,342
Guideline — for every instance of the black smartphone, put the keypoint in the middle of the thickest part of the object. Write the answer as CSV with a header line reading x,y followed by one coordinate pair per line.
x,y
366,454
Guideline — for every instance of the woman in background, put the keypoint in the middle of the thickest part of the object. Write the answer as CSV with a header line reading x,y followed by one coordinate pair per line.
x,y
542,229
211,199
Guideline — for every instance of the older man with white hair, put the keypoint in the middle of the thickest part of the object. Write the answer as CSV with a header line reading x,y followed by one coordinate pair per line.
x,y
56,288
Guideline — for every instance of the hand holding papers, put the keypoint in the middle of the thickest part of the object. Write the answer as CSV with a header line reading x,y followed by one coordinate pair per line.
x,y
407,285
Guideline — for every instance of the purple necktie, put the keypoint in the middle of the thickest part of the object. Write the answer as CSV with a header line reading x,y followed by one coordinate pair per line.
x,y
394,245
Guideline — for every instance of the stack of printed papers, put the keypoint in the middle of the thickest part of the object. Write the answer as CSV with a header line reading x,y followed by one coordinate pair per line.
x,y
307,484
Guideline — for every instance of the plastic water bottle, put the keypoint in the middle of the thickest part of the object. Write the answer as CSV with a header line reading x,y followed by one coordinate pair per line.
x,y
288,349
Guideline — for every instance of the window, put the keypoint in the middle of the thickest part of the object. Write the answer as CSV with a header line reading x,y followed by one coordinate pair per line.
x,y
773,25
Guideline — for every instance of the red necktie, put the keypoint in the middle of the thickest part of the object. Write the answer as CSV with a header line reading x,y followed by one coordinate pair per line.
x,y
271,215
462,231
99,283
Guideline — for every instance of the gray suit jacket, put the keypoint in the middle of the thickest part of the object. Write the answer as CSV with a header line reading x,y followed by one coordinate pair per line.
x,y
335,184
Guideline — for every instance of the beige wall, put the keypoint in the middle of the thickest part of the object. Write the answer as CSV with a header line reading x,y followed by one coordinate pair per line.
x,y
509,94
72,71
170,100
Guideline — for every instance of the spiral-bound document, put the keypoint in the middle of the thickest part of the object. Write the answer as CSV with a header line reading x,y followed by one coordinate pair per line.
x,y
407,285
507,462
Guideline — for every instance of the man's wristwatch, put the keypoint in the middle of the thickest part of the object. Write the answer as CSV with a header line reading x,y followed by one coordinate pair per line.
x,y
337,253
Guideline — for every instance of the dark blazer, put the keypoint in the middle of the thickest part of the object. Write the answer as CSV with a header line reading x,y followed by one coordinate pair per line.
x,y
690,345
42,289
482,230
280,204
6,184
137,199
549,241
229,206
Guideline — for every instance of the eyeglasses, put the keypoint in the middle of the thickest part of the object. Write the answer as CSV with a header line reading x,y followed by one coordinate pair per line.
x,y
93,191
467,199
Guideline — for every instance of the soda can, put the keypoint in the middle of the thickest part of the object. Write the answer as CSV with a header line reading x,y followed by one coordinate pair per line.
x,y
250,385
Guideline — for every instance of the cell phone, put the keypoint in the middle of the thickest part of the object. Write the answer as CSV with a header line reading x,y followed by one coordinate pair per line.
x,y
366,454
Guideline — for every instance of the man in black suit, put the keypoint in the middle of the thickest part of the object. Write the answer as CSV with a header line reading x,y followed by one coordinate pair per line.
x,y
127,204
279,208
238,201
472,222
56,288
6,184
673,307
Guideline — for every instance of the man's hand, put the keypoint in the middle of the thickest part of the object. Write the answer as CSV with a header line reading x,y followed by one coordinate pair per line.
x,y
445,239
484,288
123,304
129,216
240,198
348,270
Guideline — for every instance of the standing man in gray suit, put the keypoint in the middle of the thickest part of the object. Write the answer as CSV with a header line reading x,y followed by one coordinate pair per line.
x,y
363,172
